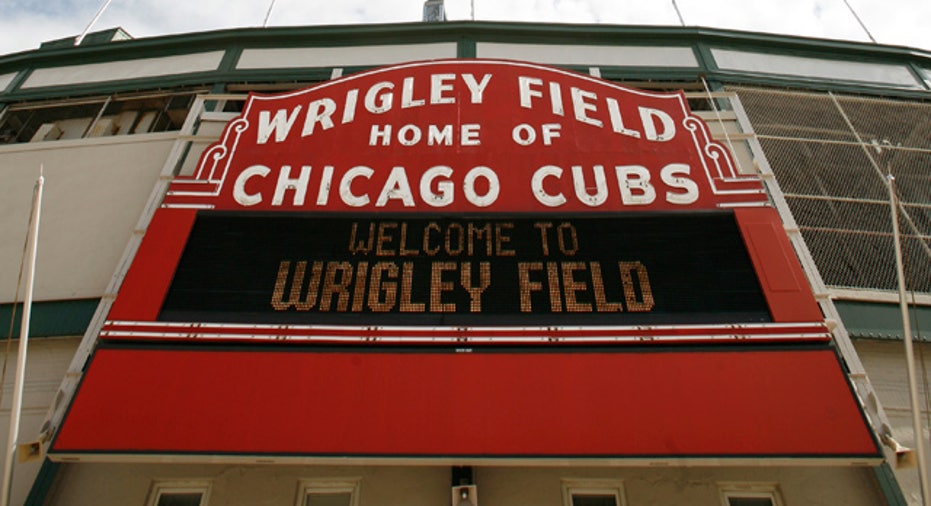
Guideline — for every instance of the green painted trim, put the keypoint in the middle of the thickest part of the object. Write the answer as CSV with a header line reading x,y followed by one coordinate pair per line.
x,y
227,65
91,89
230,59
18,80
464,34
655,74
56,318
917,71
889,485
278,75
874,320
433,32
465,48
821,83
704,57
816,52
293,75
212,105
735,78
43,484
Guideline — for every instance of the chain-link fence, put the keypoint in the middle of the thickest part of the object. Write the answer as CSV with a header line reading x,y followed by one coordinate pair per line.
x,y
831,155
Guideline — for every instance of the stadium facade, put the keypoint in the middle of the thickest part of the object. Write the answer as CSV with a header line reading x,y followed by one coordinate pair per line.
x,y
466,261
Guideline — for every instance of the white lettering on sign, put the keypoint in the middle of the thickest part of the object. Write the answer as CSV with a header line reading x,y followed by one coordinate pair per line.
x,y
469,186
526,135
443,196
582,189
297,185
588,107
345,186
396,187
476,88
319,111
239,188
537,181
676,175
655,125
633,182
280,125
407,95
379,98
437,186
437,135
553,112
377,102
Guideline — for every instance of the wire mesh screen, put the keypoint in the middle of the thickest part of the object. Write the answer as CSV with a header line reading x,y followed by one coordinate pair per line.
x,y
831,154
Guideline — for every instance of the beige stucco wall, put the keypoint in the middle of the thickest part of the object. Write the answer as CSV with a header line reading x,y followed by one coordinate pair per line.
x,y
884,362
46,362
698,486
273,485
95,191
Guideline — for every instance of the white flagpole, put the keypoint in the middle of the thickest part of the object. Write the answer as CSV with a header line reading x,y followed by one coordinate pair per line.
x,y
77,41
268,14
676,7
909,354
23,342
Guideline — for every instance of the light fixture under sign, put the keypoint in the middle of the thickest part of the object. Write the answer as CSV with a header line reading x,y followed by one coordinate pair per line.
x,y
465,495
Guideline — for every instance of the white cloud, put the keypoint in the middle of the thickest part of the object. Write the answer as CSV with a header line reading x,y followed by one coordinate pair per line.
x,y
27,30
25,24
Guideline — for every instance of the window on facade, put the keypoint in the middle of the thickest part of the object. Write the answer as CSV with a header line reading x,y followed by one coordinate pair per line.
x,y
592,493
180,499
179,494
579,499
95,117
750,494
328,499
344,492
749,501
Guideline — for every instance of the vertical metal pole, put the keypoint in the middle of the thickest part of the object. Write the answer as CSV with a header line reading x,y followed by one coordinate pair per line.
x,y
909,354
17,407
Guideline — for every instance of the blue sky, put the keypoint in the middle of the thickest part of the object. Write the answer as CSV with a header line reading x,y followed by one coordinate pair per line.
x,y
24,24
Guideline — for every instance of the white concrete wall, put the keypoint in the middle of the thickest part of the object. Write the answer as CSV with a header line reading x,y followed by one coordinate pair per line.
x,y
95,191
614,56
300,57
125,69
274,485
819,68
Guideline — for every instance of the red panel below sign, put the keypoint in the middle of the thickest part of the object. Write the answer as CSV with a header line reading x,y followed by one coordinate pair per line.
x,y
625,404
783,281
149,276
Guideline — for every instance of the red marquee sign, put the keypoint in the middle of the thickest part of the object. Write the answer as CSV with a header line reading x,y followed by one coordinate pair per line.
x,y
466,136
475,200
465,205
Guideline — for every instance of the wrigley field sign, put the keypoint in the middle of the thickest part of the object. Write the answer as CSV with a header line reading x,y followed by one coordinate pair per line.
x,y
465,199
